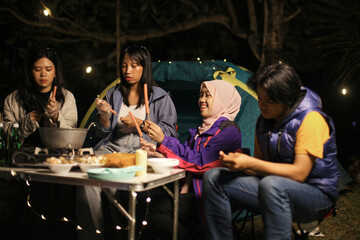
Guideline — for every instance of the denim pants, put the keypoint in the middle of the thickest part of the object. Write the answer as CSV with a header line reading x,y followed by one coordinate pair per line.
x,y
279,200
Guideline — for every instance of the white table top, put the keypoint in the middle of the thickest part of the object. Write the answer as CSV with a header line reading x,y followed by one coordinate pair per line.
x,y
76,177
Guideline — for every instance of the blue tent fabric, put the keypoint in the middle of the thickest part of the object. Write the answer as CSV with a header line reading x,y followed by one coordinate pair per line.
x,y
189,75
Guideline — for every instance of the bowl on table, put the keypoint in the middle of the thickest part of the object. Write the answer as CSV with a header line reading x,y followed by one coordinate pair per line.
x,y
163,165
84,167
60,168
88,162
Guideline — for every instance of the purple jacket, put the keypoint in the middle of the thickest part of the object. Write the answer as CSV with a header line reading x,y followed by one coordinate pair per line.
x,y
201,154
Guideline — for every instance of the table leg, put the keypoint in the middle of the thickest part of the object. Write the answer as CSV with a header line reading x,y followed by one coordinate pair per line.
x,y
176,209
132,212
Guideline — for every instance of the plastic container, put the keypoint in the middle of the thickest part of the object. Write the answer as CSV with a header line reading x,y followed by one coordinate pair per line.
x,y
113,174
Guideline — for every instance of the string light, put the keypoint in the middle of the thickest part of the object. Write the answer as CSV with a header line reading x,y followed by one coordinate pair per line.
x,y
46,13
224,60
13,173
88,69
78,227
344,91
198,58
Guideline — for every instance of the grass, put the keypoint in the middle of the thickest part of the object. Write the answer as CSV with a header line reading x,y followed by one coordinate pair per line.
x,y
344,226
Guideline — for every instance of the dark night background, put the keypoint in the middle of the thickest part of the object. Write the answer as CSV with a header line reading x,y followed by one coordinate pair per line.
x,y
321,41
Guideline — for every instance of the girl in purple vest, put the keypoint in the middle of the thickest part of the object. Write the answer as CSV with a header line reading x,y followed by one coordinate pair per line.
x,y
293,175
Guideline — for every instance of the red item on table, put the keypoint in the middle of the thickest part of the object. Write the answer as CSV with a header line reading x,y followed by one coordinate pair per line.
x,y
146,99
136,124
54,92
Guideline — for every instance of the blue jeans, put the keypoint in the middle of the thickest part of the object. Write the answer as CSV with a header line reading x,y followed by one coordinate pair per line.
x,y
279,200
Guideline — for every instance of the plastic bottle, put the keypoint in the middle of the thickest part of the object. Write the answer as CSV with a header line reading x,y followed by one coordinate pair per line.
x,y
15,143
3,155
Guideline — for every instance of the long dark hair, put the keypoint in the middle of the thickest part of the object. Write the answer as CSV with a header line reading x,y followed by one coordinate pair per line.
x,y
279,80
28,94
141,56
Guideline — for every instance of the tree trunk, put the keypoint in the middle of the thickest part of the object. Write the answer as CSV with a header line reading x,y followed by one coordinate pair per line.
x,y
273,37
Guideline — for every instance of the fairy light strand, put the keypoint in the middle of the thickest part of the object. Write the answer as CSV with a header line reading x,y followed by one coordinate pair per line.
x,y
78,227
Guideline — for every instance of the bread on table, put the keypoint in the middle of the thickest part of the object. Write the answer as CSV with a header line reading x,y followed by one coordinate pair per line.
x,y
119,160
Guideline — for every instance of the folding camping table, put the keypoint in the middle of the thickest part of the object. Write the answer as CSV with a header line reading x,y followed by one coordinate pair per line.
x,y
136,184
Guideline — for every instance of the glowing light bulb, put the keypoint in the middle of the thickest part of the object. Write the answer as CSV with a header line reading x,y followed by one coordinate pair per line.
x,y
148,199
198,58
65,219
88,69
344,91
144,223
118,227
78,227
46,12
98,231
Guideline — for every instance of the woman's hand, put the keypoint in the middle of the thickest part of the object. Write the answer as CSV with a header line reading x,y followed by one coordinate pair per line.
x,y
52,109
234,161
155,132
103,108
127,121
36,116
150,149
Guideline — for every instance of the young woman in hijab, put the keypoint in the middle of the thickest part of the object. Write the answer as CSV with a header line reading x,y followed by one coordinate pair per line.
x,y
33,106
219,103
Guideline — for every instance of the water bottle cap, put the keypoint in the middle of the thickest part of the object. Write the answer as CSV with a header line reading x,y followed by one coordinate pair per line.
x,y
15,125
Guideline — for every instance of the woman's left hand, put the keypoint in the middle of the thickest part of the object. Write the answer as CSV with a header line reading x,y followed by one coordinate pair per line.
x,y
234,161
127,121
155,132
52,109
150,148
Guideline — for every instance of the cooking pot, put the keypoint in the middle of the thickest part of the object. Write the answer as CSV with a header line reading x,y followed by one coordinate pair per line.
x,y
63,138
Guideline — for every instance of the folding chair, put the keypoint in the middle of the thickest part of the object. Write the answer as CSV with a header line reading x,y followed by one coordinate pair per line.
x,y
303,234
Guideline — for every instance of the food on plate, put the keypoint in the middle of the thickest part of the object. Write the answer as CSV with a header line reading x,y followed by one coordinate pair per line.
x,y
60,160
88,159
120,160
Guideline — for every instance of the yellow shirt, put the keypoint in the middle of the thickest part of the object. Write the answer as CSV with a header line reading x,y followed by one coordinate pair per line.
x,y
310,137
